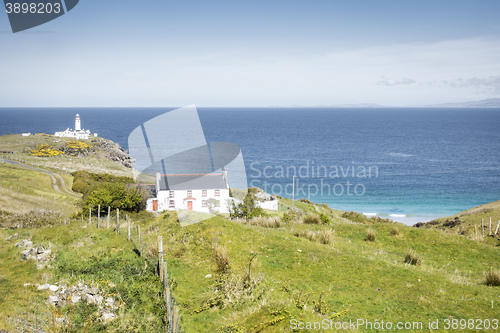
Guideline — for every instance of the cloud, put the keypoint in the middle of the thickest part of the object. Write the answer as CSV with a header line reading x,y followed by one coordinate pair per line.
x,y
489,84
392,82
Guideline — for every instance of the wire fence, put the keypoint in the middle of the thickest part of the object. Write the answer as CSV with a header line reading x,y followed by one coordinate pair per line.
x,y
150,248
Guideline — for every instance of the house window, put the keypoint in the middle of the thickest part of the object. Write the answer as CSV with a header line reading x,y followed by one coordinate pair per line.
x,y
171,204
217,193
204,193
190,194
204,203
217,203
171,194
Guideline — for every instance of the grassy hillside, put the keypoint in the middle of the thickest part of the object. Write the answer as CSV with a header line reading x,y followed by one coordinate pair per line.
x,y
24,191
294,274
353,277
468,223
95,159
260,275
97,258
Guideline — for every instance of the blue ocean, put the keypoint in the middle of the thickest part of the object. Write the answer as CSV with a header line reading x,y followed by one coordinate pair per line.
x,y
408,164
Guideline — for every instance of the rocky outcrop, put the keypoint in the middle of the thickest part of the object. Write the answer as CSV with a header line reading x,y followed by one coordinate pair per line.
x,y
82,293
37,253
113,151
260,195
64,296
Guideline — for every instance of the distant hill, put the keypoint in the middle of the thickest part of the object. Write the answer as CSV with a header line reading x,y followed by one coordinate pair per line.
x,y
485,103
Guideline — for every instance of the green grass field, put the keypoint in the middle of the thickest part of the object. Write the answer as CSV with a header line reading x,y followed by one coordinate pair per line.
x,y
23,190
230,276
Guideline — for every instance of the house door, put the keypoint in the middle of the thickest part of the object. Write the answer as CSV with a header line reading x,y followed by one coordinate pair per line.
x,y
190,205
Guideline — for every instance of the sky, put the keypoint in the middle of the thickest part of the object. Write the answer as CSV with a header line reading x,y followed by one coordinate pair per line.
x,y
157,53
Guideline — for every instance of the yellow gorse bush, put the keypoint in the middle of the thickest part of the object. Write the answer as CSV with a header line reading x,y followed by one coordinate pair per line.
x,y
45,151
77,145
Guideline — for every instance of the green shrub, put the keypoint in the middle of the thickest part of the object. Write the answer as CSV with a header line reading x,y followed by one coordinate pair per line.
x,y
286,218
291,216
221,258
370,235
247,209
394,231
354,217
412,258
83,180
312,219
306,201
492,278
324,219
326,236
115,196
266,222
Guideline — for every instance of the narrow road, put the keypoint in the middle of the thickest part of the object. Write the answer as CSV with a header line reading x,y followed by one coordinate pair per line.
x,y
54,176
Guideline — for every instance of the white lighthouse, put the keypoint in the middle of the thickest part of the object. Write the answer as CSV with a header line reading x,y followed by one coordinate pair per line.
x,y
78,126
77,133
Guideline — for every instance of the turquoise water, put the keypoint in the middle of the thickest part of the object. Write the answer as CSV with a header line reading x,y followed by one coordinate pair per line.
x,y
410,165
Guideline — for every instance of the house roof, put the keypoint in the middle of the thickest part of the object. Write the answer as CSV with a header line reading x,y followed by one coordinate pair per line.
x,y
193,182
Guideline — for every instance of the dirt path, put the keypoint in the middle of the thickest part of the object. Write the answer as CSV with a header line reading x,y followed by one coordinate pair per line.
x,y
54,177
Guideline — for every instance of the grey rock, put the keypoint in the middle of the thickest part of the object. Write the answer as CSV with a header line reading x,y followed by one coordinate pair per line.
x,y
110,301
53,288
108,316
89,298
44,287
40,249
13,236
76,298
53,300
98,299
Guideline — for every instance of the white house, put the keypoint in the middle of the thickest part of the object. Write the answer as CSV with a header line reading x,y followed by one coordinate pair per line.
x,y
196,192
77,133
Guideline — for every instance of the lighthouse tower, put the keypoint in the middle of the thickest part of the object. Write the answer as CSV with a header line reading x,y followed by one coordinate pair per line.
x,y
78,126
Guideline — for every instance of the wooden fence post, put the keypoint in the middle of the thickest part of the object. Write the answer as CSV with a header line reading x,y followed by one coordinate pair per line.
x,y
140,241
176,319
482,226
98,216
128,227
165,277
160,257
117,221
498,225
490,227
168,303
109,216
